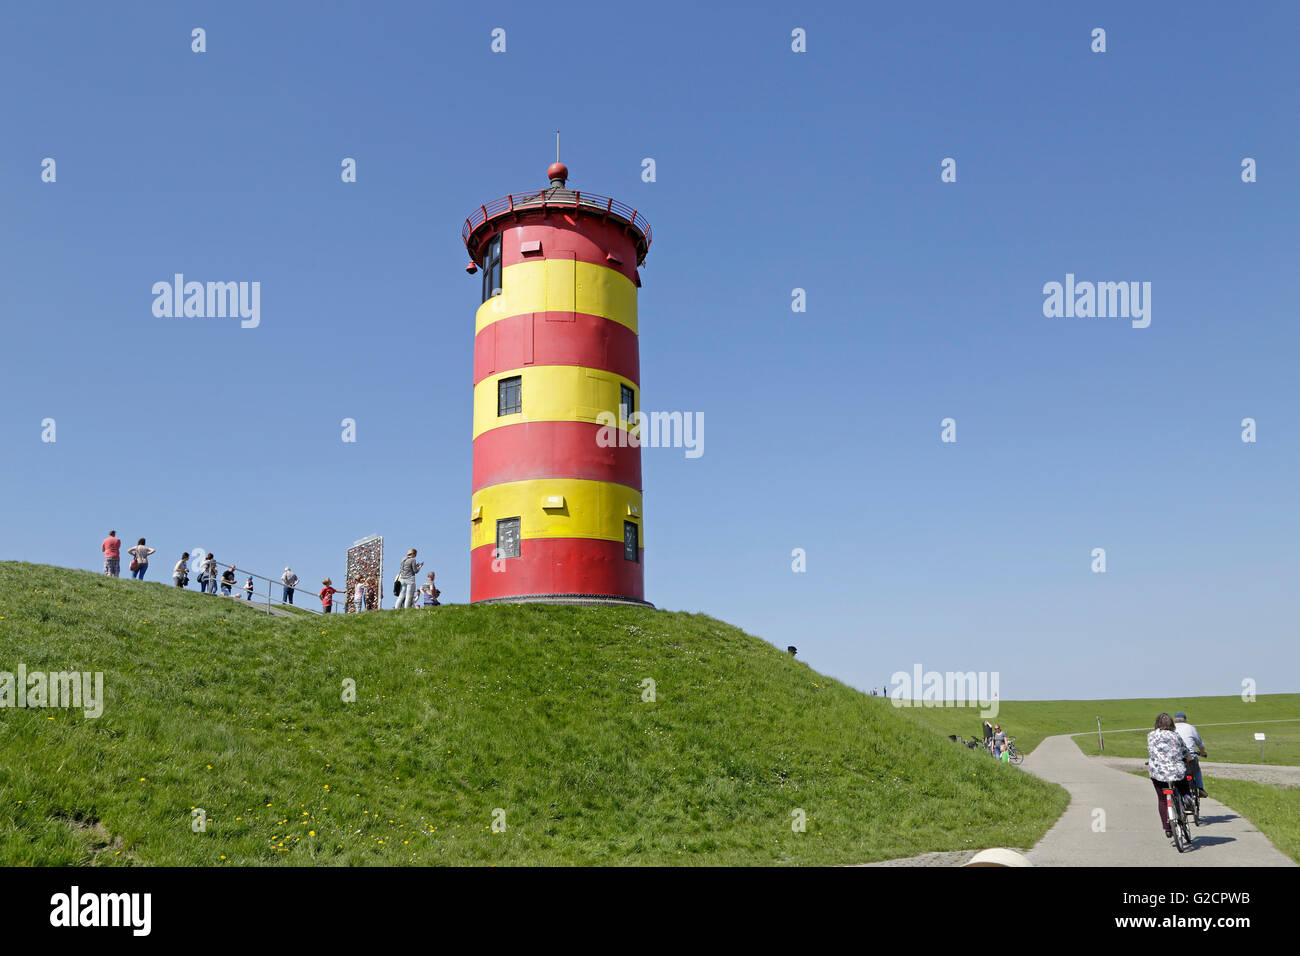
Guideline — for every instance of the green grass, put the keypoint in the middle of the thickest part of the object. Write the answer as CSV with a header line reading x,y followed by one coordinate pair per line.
x,y
459,711
1032,720
1227,744
1275,811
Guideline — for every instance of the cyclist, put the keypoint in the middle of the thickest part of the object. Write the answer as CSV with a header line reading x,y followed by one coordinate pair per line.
x,y
1166,764
1193,741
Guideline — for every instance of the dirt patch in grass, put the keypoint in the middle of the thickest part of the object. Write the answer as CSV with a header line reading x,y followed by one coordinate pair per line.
x,y
97,837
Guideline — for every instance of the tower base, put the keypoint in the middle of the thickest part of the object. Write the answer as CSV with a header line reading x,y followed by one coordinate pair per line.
x,y
590,600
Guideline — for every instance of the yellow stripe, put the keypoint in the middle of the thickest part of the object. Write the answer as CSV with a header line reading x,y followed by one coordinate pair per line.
x,y
561,285
591,509
553,393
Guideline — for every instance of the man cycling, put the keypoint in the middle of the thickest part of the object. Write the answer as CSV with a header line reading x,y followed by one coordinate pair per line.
x,y
1193,741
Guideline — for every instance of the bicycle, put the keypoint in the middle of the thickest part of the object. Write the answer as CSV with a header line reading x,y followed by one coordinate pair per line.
x,y
1014,755
1180,832
1192,799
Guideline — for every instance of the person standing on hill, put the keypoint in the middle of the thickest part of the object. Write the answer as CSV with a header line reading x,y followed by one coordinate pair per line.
x,y
359,597
289,580
988,736
140,560
112,548
248,588
208,574
406,575
999,740
327,593
181,573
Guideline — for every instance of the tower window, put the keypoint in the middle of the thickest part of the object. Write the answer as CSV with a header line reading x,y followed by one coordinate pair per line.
x,y
631,543
492,269
507,538
626,401
510,396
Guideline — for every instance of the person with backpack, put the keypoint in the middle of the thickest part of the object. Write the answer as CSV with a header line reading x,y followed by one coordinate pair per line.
x,y
181,573
140,560
406,580
288,579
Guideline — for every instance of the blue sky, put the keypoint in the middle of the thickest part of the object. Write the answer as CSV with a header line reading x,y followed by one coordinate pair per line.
x,y
775,170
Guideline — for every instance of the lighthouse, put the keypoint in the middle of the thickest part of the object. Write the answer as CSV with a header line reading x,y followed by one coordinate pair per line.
x,y
556,510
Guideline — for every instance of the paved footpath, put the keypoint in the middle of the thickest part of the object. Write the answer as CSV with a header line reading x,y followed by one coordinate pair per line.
x,y
1277,775
1132,834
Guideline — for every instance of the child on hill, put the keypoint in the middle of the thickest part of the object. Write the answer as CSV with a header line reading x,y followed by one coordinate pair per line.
x,y
327,595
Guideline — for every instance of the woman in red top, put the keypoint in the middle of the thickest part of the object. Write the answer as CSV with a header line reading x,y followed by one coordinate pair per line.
x,y
327,596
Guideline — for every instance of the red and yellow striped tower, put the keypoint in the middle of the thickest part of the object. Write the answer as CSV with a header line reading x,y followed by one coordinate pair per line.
x,y
556,507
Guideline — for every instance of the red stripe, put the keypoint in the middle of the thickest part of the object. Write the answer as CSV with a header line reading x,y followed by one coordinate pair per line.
x,y
587,240
557,338
557,566
551,450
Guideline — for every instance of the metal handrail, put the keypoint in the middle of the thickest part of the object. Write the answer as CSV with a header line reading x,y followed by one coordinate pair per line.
x,y
556,197
276,582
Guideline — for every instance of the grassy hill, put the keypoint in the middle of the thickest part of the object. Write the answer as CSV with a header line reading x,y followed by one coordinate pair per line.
x,y
461,711
1227,724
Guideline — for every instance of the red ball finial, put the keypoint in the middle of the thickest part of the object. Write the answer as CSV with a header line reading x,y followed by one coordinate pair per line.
x,y
557,171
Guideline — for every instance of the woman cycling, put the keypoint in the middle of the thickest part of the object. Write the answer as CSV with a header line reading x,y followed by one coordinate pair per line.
x,y
1166,764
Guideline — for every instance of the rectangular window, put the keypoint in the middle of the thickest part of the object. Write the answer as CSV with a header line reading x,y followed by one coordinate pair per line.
x,y
626,401
631,545
510,395
507,538
492,269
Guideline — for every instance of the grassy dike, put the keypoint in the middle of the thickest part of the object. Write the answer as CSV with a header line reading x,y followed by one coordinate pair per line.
x,y
1226,724
459,712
